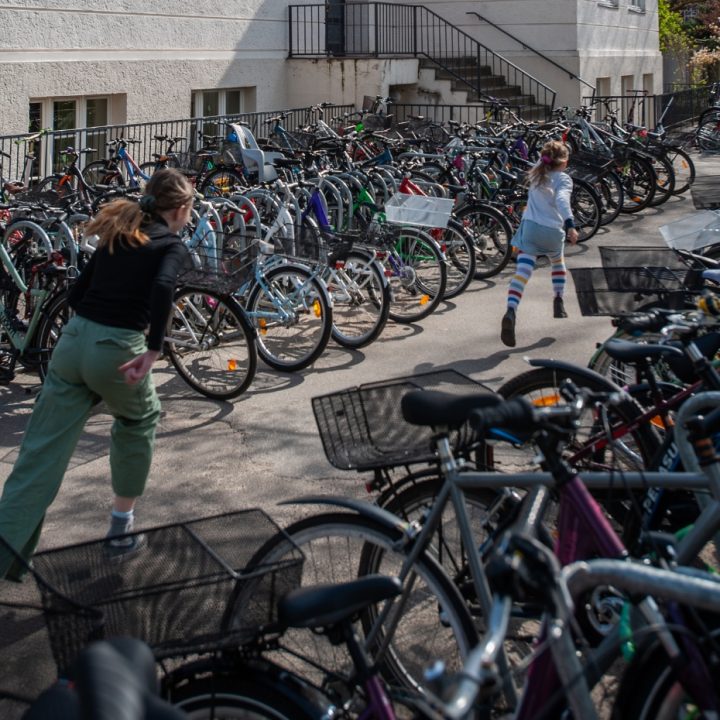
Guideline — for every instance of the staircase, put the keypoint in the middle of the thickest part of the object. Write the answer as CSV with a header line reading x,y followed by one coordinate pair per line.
x,y
464,77
395,30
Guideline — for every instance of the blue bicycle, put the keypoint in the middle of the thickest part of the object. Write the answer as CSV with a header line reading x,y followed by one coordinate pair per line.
x,y
119,170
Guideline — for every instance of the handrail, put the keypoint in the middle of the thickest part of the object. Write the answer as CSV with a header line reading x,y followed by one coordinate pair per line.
x,y
532,49
374,29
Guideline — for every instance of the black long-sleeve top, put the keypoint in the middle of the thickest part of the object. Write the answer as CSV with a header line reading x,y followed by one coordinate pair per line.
x,y
132,287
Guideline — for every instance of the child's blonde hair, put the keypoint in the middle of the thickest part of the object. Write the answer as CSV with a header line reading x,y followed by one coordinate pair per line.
x,y
552,155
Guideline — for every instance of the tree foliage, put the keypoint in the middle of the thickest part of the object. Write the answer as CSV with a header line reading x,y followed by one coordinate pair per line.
x,y
673,36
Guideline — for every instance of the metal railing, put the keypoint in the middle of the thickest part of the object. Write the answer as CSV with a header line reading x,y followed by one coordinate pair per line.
x,y
378,29
525,46
646,110
48,148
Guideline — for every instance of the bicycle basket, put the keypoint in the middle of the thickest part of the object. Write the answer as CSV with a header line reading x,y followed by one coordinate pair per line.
x,y
612,256
197,587
40,197
612,291
422,210
363,428
221,270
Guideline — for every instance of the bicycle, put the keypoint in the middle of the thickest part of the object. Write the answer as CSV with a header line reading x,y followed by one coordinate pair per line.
x,y
119,169
33,301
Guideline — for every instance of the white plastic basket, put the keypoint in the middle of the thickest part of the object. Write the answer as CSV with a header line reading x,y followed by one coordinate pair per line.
x,y
695,230
422,210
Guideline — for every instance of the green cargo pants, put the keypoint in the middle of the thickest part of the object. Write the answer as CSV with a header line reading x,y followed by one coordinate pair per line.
x,y
83,371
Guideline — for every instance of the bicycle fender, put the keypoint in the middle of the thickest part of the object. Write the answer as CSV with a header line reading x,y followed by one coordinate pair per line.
x,y
584,372
361,507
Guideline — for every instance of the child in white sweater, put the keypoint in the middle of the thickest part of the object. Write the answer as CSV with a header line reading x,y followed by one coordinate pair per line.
x,y
546,223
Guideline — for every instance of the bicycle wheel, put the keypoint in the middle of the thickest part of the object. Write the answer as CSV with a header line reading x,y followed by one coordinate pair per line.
x,y
639,182
684,169
260,691
650,689
210,343
610,190
292,315
708,134
491,234
102,172
457,245
633,449
360,301
63,185
417,275
586,209
433,622
55,315
665,182
221,182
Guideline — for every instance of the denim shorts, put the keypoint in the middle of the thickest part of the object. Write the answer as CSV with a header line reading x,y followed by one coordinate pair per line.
x,y
536,239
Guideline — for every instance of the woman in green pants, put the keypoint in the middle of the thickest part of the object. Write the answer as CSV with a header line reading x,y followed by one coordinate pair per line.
x,y
122,302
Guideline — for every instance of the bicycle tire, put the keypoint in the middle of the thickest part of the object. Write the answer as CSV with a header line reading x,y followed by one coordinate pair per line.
x,y
611,193
210,343
55,315
418,276
586,209
540,386
460,264
684,169
639,182
295,341
665,180
265,693
361,305
102,172
649,689
341,546
708,133
491,235
63,185
221,182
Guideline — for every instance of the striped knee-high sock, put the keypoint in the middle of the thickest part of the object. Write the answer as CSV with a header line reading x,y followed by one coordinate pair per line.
x,y
559,273
523,273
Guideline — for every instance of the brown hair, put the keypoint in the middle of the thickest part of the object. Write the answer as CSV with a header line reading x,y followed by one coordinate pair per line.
x,y
553,154
121,220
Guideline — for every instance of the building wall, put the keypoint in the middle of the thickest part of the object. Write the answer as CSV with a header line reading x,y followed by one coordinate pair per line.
x,y
153,55
591,38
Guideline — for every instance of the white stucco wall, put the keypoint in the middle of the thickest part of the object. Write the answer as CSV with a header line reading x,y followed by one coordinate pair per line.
x,y
587,37
154,53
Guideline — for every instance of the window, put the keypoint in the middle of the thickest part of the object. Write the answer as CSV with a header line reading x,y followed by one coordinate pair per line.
x,y
637,6
211,103
66,116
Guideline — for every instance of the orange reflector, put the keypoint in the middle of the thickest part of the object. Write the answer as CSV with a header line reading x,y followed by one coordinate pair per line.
x,y
636,199
317,308
232,365
657,421
546,401
262,324
424,299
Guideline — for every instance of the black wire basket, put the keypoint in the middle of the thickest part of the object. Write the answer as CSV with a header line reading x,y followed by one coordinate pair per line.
x,y
614,256
223,270
362,427
613,291
196,587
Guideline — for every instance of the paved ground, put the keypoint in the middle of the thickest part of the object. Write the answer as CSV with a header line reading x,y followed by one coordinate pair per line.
x,y
264,448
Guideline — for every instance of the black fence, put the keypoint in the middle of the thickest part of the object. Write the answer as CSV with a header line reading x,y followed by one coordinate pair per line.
x,y
674,108
33,159
378,29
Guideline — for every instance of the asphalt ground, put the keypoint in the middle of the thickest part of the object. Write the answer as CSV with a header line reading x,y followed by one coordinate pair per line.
x,y
263,448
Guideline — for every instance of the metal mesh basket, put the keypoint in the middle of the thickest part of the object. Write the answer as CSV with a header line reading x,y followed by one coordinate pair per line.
x,y
39,197
223,270
302,140
198,586
363,428
612,291
612,256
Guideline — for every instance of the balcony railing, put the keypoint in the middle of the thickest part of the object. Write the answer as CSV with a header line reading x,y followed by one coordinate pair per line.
x,y
380,29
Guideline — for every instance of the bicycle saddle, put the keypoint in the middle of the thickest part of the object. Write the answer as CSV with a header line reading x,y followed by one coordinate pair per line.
x,y
431,407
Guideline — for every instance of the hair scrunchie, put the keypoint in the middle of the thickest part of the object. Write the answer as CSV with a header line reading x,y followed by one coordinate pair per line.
x,y
547,160
147,203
